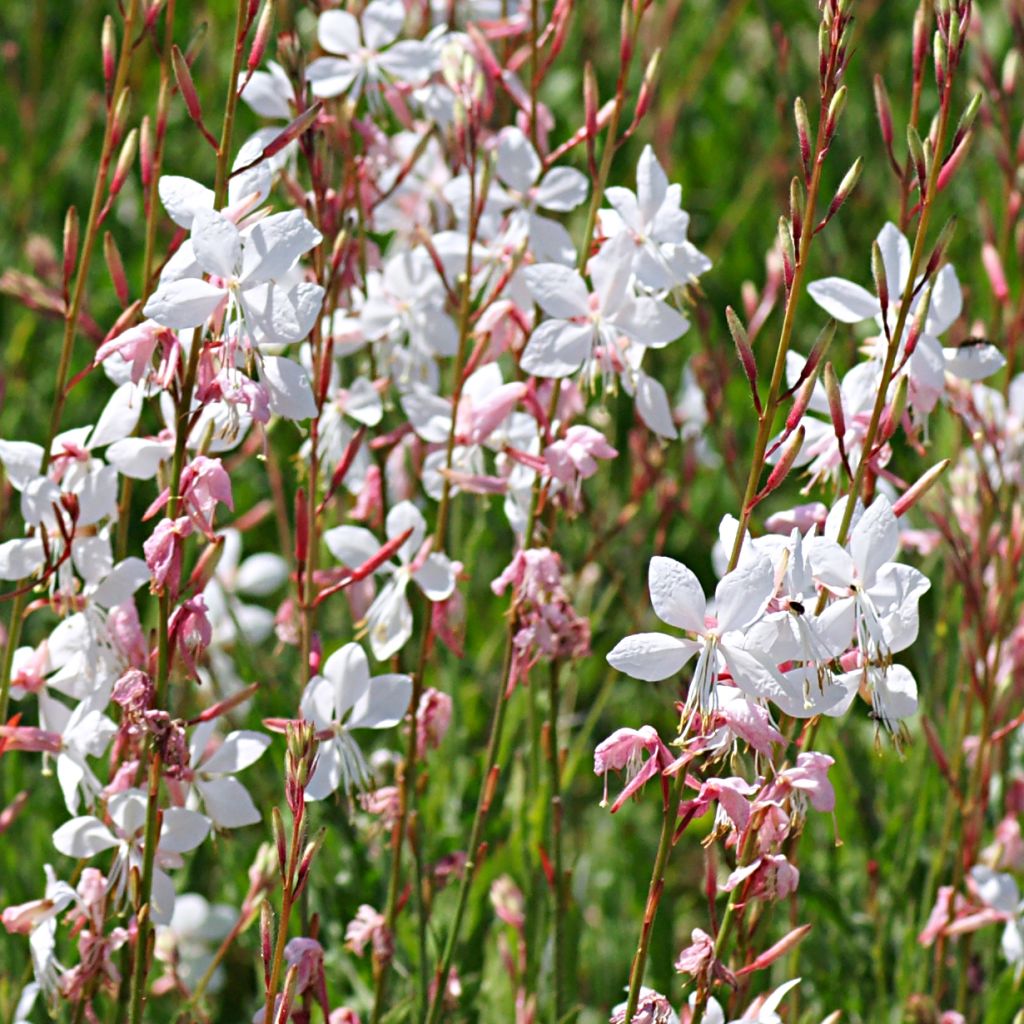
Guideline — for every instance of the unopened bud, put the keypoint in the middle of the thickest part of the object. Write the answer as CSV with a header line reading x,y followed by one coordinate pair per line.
x,y
147,156
280,842
115,265
125,160
846,186
70,245
796,211
941,60
782,468
941,245
913,494
881,281
786,247
186,86
261,37
897,407
803,133
834,394
835,111
884,110
108,46
119,117
994,269
744,351
916,148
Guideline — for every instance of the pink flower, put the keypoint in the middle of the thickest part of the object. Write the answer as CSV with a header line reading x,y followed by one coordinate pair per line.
x,y
190,631
811,777
368,926
699,961
433,716
507,900
730,794
574,458
770,877
308,956
624,750
163,551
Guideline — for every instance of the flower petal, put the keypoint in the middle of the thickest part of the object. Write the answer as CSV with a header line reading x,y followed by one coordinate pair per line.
x,y
651,656
844,300
676,594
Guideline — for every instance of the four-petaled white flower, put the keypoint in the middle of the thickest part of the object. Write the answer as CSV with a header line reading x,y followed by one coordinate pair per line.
x,y
389,618
340,700
225,799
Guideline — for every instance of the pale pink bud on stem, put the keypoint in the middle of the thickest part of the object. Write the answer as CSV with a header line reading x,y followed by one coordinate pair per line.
x,y
913,494
10,813
70,249
803,133
994,269
787,943
115,265
781,470
745,353
846,186
917,157
108,46
261,37
147,155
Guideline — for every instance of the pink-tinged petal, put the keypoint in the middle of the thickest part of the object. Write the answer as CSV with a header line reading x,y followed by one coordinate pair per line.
x,y
874,539
228,803
183,830
83,837
650,769
216,243
844,300
558,290
742,596
557,348
651,656
676,594
184,303
384,703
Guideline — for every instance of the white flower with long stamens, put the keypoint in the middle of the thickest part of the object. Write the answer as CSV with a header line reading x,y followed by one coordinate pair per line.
x,y
389,618
182,830
929,362
678,599
340,700
656,224
586,325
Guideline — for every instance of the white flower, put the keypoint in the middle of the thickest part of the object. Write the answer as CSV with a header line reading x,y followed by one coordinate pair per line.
x,y
999,891
678,599
389,618
182,830
346,698
85,732
929,362
369,55
195,928
225,799
654,221
246,268
584,321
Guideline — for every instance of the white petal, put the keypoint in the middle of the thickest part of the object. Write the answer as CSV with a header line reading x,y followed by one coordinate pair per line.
x,y
261,574
436,577
119,416
228,803
653,406
267,95
182,197
272,247
183,830
384,704
291,394
973,361
163,897
874,539
83,837
558,290
338,32
557,348
184,303
20,558
390,621
651,656
317,703
844,300
349,671
282,315
327,773
216,243
406,516
138,457
22,461
123,580
676,594
895,258
947,302
517,162
351,545
743,595
239,750
562,189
